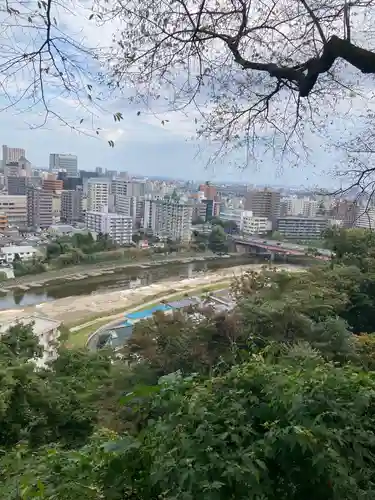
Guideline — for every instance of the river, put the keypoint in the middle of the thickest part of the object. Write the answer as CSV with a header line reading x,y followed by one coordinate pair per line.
x,y
120,280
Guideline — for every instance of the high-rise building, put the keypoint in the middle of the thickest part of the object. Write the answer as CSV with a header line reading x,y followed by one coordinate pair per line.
x,y
209,191
52,184
56,206
72,183
123,204
39,207
172,220
17,185
3,221
98,194
71,206
121,186
298,206
20,168
24,167
85,176
15,207
12,155
119,228
264,203
212,209
64,161
304,228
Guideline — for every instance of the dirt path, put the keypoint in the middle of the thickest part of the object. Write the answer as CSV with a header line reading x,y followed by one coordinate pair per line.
x,y
73,310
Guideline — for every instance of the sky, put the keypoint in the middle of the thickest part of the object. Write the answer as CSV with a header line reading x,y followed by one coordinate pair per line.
x,y
143,145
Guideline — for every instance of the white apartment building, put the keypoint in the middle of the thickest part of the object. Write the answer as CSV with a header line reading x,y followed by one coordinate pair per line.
x,y
47,331
15,207
254,225
246,222
365,218
98,194
304,228
63,161
25,252
119,228
294,206
11,155
234,215
149,215
172,220
124,187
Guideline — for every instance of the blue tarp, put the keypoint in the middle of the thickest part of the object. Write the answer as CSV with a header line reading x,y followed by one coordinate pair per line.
x,y
147,313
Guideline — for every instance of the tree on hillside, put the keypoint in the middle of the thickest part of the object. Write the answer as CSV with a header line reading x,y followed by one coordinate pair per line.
x,y
352,246
282,428
47,405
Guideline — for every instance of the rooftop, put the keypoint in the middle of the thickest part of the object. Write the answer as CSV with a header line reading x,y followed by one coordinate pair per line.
x,y
18,249
41,324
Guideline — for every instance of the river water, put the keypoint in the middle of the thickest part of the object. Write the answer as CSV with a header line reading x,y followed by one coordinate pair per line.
x,y
127,278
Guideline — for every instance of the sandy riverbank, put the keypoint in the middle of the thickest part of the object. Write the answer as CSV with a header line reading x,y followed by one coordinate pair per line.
x,y
72,310
86,271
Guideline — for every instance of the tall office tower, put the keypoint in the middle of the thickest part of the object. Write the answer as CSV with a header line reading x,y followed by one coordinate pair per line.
x,y
149,215
121,186
64,161
209,191
12,155
71,206
72,183
51,183
173,220
39,207
298,206
264,203
123,204
15,207
99,170
85,176
24,167
17,185
98,194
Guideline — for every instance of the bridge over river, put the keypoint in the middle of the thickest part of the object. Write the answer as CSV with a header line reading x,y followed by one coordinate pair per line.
x,y
280,247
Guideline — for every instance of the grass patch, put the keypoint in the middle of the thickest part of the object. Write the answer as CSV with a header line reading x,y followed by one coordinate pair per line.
x,y
78,338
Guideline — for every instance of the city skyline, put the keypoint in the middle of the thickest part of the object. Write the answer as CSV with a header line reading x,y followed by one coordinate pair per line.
x,y
156,159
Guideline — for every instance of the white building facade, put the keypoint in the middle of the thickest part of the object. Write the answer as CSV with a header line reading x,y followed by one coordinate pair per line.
x,y
98,194
64,161
254,225
246,222
302,227
118,227
294,206
7,254
172,220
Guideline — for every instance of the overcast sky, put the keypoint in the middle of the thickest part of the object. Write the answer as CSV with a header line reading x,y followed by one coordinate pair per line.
x,y
144,146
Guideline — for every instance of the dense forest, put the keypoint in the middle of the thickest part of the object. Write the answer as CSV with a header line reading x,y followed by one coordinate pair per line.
x,y
274,400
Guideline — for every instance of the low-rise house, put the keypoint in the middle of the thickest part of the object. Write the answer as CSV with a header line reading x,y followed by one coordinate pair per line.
x,y
25,252
47,331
